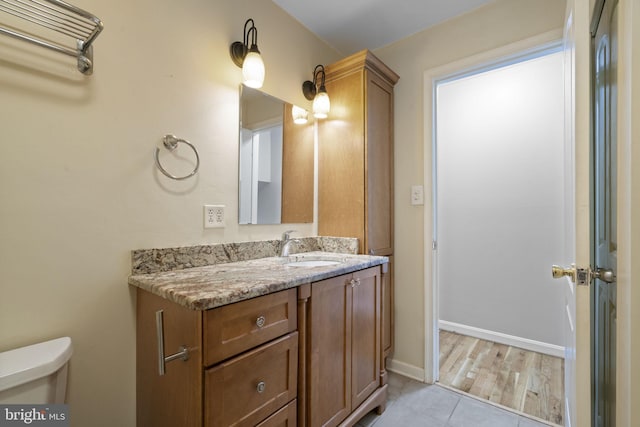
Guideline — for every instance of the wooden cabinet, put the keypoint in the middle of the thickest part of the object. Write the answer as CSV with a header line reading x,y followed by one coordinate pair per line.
x,y
355,162
242,364
355,168
305,357
343,358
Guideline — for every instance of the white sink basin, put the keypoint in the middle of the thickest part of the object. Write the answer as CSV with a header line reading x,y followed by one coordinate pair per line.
x,y
312,263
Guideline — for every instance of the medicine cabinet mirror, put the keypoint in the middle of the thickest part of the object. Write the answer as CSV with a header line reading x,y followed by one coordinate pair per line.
x,y
276,162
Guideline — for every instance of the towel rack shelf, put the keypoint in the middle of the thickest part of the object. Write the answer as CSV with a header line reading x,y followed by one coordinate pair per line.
x,y
51,24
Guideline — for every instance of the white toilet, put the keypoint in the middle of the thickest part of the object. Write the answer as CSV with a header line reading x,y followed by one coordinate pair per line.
x,y
36,373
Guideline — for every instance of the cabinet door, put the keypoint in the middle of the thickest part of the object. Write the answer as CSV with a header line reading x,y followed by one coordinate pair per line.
x,y
329,355
341,161
365,335
379,152
175,398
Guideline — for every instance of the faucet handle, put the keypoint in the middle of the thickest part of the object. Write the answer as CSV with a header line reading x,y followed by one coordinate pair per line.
x,y
287,234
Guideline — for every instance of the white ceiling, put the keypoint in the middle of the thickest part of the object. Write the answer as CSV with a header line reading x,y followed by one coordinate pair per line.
x,y
353,25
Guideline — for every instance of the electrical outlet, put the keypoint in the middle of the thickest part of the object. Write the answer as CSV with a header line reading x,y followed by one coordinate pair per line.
x,y
213,216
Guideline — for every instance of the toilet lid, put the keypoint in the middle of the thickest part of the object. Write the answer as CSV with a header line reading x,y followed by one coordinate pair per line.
x,y
28,363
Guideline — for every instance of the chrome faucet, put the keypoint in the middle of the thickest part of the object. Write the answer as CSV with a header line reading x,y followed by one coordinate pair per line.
x,y
286,242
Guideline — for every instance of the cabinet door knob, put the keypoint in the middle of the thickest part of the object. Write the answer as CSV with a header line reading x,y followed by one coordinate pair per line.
x,y
261,386
260,321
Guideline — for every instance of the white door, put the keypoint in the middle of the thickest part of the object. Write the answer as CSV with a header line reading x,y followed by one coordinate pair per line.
x,y
592,213
570,223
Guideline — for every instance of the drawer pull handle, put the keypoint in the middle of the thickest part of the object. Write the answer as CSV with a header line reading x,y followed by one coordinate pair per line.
x,y
183,354
260,321
355,282
261,386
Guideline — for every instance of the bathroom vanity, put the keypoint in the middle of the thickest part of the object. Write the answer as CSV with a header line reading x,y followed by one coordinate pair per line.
x,y
274,341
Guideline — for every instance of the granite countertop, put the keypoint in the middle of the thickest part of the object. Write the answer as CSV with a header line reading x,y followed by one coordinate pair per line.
x,y
206,287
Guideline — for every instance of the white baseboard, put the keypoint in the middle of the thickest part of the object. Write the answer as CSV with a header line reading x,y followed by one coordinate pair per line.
x,y
405,369
525,343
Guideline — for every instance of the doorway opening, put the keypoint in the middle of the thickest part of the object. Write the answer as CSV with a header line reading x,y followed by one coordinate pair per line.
x,y
498,173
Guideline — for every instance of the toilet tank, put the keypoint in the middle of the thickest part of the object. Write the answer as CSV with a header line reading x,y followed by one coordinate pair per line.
x,y
36,373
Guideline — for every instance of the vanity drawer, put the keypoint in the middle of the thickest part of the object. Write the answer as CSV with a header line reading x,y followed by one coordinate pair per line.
x,y
249,388
234,328
285,417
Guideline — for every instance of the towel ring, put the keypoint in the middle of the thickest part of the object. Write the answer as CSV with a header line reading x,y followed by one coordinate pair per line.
x,y
171,142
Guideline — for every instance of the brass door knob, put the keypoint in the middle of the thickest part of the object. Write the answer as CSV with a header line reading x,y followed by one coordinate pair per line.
x,y
558,272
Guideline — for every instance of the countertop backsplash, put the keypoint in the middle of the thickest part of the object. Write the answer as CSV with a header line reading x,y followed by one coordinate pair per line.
x,y
168,259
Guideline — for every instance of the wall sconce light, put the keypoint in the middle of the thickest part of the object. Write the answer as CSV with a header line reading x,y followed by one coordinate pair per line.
x,y
321,103
300,115
248,58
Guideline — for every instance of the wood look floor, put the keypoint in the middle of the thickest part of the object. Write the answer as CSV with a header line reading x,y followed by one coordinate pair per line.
x,y
519,379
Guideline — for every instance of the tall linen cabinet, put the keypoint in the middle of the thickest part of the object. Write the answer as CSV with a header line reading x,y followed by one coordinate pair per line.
x,y
355,173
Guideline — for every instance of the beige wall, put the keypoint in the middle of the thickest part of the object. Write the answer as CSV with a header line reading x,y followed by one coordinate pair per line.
x,y
633,140
628,368
499,23
78,186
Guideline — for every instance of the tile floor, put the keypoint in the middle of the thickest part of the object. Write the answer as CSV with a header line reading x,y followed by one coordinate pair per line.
x,y
414,404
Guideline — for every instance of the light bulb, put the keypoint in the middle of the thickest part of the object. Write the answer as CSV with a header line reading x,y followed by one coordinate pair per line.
x,y
321,105
253,70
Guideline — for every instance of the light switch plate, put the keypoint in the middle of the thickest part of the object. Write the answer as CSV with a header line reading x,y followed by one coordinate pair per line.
x,y
417,195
